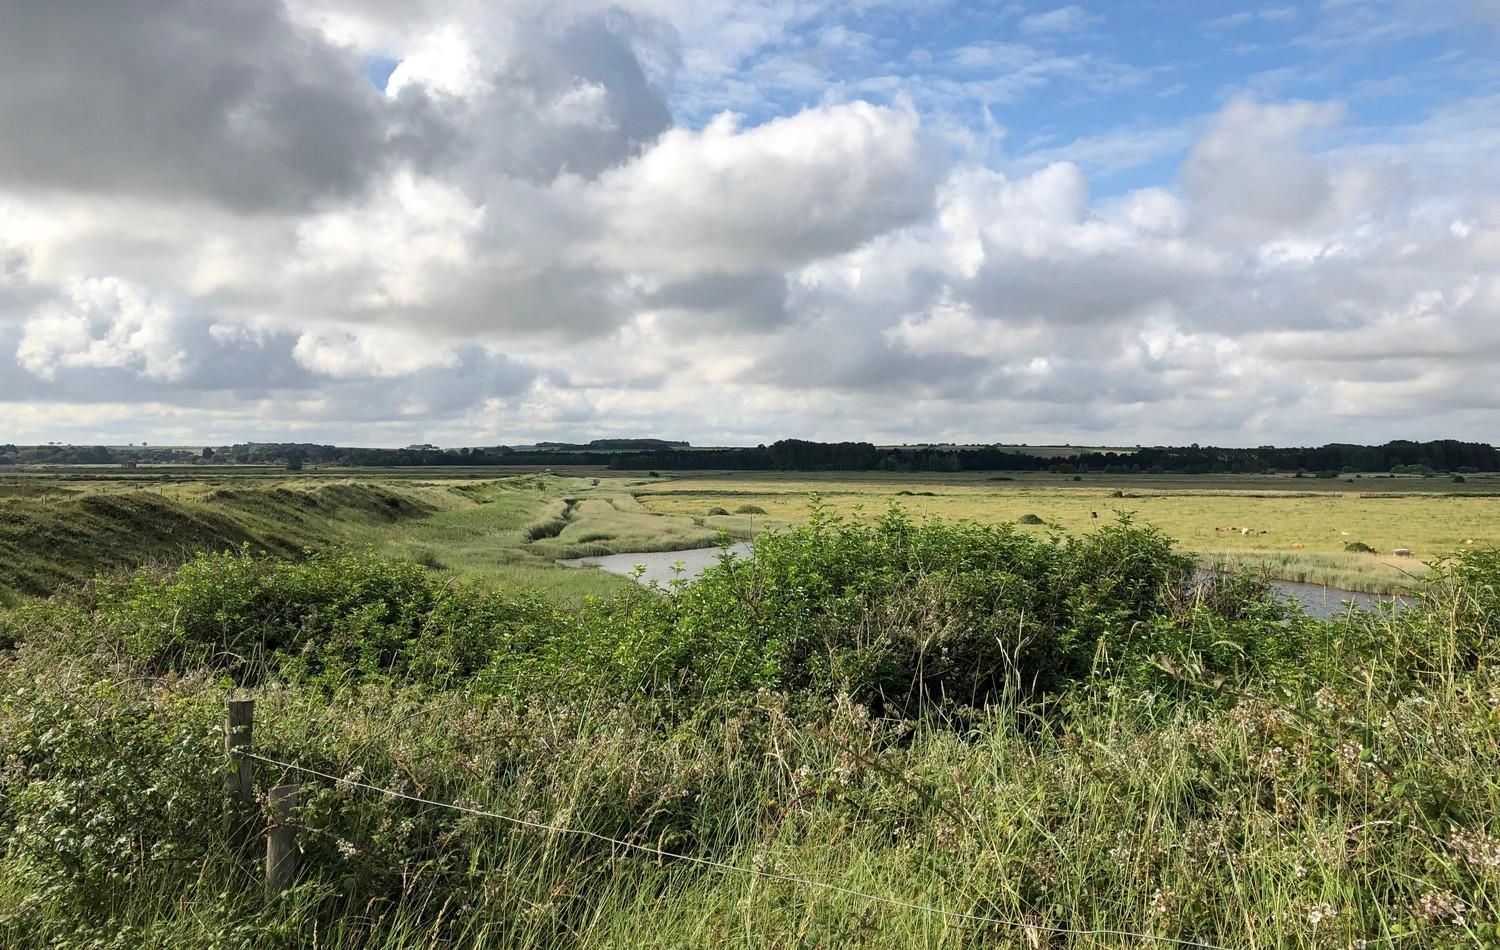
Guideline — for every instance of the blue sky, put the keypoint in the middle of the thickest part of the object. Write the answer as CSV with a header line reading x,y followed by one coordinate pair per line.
x,y
1126,81
732,221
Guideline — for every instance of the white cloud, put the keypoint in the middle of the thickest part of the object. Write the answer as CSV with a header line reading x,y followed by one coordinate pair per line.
x,y
1249,175
372,351
103,322
1069,19
400,249
778,195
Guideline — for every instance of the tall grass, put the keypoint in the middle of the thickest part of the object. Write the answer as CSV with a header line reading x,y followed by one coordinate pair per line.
x,y
1204,767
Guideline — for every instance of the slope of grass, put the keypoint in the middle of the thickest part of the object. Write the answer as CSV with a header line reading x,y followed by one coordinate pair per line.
x,y
76,534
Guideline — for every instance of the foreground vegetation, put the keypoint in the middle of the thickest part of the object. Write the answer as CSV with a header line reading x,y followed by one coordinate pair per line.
x,y
1044,732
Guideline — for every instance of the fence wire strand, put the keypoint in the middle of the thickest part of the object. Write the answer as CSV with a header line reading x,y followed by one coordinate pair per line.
x,y
733,868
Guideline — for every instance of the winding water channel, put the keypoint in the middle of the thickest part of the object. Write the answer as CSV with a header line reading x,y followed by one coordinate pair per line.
x,y
663,566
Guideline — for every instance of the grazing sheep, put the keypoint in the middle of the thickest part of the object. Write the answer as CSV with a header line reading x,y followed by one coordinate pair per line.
x,y
1244,532
1402,552
1298,547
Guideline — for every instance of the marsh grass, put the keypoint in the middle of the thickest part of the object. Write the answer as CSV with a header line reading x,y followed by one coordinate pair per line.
x,y
1297,535
1355,572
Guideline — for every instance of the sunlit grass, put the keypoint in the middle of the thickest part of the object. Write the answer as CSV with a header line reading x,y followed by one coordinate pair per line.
x,y
1290,533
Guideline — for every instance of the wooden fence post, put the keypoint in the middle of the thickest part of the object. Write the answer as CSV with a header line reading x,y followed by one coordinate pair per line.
x,y
281,842
239,781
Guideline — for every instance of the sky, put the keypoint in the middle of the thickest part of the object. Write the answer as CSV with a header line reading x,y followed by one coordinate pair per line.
x,y
380,222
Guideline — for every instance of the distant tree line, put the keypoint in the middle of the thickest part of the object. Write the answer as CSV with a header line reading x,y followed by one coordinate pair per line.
x,y
798,455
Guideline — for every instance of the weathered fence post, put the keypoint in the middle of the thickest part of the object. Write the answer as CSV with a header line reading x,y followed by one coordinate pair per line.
x,y
281,842
239,781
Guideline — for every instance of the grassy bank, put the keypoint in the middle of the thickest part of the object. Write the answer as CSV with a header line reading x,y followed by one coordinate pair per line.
x,y
1048,734
56,532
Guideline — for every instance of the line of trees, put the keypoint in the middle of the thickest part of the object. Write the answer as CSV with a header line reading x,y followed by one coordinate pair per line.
x,y
799,455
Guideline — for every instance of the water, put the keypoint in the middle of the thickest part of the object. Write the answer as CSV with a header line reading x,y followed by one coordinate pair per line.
x,y
659,564
1316,600
1324,602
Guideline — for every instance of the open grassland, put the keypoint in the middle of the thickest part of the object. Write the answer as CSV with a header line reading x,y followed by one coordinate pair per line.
x,y
1296,529
515,530
509,530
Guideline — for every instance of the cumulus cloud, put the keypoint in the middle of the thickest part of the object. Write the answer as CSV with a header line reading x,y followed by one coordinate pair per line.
x,y
1249,175
729,199
391,221
103,322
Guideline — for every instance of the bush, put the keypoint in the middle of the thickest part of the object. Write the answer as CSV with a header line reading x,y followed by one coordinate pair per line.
x,y
749,510
900,613
718,511
1358,547
429,559
1031,519
334,618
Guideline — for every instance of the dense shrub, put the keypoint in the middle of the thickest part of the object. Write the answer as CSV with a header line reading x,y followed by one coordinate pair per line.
x,y
333,617
899,612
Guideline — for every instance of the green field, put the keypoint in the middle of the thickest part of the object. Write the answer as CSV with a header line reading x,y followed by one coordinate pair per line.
x,y
60,527
1295,529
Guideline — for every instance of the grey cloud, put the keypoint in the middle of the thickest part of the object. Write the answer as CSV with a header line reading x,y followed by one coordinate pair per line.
x,y
237,104
1075,288
566,98
827,357
226,101
754,302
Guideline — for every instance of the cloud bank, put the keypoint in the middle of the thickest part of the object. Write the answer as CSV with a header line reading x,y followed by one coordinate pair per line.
x,y
472,224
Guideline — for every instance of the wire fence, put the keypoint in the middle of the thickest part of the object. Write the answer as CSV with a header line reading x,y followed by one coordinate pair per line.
x,y
727,868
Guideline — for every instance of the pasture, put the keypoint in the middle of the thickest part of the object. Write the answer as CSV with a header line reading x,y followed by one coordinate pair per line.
x,y
508,529
1296,529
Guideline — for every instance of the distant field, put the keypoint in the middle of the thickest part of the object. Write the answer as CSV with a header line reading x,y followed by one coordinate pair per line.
x,y
60,526
1297,528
